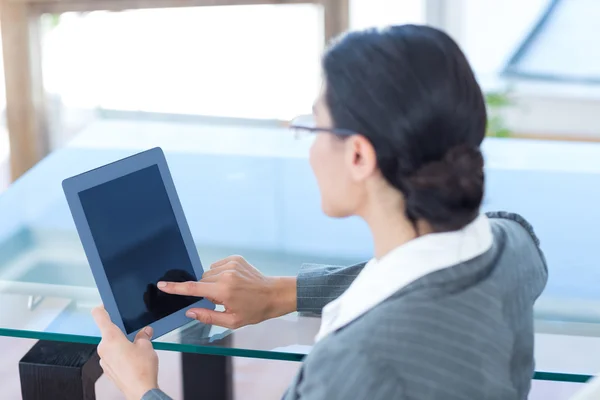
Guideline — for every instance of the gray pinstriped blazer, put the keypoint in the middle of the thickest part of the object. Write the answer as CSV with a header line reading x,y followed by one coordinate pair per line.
x,y
465,332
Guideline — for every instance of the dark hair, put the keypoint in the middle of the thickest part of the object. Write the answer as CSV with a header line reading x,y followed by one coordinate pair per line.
x,y
411,92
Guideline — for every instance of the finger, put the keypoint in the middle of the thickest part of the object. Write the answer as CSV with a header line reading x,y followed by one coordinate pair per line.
x,y
217,302
213,272
106,369
210,278
196,289
144,334
102,319
103,365
210,317
224,261
219,263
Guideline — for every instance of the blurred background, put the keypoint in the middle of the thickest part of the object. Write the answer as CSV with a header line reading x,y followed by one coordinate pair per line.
x,y
202,74
537,61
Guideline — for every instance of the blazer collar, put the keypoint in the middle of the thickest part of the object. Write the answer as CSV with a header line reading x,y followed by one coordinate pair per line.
x,y
380,279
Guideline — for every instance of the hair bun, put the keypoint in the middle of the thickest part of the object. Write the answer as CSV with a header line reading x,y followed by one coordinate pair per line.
x,y
465,160
447,193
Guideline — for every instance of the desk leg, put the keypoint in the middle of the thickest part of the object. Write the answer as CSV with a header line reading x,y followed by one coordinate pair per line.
x,y
57,370
207,376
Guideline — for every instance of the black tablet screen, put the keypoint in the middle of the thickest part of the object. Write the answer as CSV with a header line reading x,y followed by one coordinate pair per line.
x,y
139,243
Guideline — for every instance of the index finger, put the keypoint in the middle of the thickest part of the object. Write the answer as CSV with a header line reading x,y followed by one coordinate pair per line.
x,y
196,289
103,321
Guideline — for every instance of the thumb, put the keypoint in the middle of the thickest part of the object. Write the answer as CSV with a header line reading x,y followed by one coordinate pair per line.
x,y
144,334
210,317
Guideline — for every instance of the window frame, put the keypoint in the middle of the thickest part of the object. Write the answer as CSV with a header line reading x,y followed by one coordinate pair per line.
x,y
26,115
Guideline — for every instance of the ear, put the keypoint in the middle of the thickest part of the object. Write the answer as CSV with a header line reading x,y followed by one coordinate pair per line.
x,y
360,157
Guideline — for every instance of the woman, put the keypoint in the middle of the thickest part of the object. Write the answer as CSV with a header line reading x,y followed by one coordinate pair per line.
x,y
444,310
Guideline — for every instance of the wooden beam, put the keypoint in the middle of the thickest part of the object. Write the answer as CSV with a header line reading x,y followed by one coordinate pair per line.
x,y
25,107
336,16
61,6
145,3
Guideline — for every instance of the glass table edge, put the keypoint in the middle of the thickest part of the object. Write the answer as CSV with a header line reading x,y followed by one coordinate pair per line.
x,y
174,347
245,353
561,377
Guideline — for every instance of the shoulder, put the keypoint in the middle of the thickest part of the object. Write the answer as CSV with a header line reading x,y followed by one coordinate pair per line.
x,y
513,223
520,243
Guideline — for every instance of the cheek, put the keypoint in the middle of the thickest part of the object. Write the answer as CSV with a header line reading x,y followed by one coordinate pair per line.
x,y
317,158
327,165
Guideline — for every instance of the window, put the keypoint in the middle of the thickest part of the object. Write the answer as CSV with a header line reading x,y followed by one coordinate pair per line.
x,y
562,46
258,61
490,31
510,42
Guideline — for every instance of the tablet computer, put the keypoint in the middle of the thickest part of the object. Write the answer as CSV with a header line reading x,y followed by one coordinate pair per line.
x,y
134,233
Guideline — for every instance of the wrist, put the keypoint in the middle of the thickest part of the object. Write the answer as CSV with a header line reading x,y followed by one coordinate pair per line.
x,y
283,296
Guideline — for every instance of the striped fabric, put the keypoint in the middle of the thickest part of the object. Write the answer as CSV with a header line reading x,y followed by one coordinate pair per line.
x,y
465,332
156,394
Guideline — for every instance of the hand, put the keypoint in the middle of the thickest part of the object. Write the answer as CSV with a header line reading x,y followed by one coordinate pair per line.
x,y
248,296
133,367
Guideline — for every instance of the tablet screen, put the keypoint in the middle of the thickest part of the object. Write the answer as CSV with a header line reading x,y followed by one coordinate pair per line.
x,y
139,243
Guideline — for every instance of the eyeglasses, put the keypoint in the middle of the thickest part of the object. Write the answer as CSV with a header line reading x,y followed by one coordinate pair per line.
x,y
305,125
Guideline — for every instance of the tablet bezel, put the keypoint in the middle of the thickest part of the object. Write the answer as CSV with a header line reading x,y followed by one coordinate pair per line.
x,y
76,184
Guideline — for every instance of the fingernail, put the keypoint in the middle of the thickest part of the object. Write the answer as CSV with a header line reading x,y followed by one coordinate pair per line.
x,y
190,314
149,331
161,284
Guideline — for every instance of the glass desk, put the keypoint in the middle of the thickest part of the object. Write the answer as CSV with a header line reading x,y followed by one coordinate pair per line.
x,y
250,191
